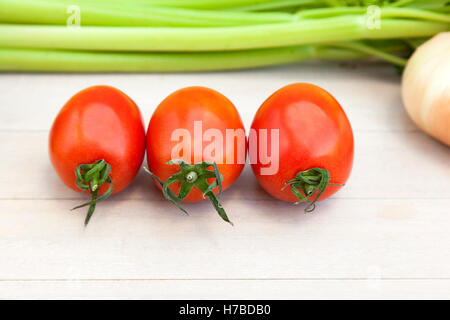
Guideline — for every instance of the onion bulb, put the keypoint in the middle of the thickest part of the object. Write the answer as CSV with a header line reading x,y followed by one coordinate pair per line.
x,y
426,87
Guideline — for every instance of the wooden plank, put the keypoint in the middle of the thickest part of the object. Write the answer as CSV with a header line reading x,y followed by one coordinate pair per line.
x,y
31,101
385,235
221,289
149,239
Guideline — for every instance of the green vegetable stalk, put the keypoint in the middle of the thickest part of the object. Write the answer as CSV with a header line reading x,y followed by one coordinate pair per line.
x,y
211,39
200,35
95,13
86,61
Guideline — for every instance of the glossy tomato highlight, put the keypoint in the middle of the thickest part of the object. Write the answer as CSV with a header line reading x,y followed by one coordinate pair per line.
x,y
97,143
314,149
201,132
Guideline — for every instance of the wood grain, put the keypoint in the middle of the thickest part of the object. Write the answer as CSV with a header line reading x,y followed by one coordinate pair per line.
x,y
234,289
385,235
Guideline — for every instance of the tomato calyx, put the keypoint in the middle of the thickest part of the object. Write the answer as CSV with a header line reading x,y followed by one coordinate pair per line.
x,y
309,182
194,175
90,177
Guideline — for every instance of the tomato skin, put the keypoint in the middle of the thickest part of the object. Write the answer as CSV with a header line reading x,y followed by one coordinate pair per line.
x,y
99,122
179,110
313,132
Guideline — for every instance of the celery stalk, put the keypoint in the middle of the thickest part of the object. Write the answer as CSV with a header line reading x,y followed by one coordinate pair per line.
x,y
79,61
201,35
195,4
277,5
105,14
385,12
212,39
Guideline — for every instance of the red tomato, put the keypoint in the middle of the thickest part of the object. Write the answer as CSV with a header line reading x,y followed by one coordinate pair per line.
x,y
98,123
314,132
191,122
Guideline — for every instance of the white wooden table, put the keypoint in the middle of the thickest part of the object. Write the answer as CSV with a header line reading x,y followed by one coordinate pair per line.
x,y
385,235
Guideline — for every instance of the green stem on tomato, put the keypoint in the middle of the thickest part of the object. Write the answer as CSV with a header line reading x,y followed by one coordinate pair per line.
x,y
211,39
90,177
308,183
191,176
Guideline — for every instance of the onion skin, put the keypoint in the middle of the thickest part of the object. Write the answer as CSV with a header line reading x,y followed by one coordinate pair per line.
x,y
426,87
